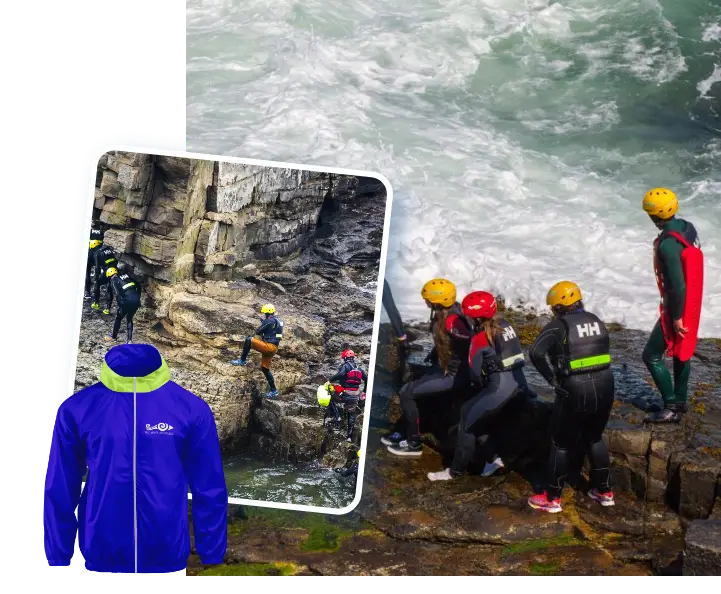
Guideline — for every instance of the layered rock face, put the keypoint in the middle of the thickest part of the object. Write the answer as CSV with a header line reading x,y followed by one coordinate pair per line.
x,y
211,243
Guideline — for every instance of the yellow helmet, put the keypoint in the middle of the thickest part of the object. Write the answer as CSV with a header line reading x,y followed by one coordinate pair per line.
x,y
111,272
94,243
661,203
563,293
439,291
268,308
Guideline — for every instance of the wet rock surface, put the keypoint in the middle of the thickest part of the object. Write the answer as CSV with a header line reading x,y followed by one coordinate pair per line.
x,y
211,243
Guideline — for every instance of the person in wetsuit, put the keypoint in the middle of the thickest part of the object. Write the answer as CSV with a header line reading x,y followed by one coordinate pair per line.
x,y
451,337
350,468
270,332
127,293
104,260
390,306
572,353
350,377
661,205
496,363
97,236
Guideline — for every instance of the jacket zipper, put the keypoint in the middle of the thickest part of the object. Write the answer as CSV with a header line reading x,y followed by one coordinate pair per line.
x,y
135,475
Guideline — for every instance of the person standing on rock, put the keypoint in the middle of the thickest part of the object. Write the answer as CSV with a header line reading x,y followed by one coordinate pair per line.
x,y
270,332
350,377
678,265
104,260
127,292
496,363
572,353
97,236
451,332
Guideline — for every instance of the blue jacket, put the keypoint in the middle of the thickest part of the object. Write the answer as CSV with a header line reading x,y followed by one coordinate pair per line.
x,y
144,440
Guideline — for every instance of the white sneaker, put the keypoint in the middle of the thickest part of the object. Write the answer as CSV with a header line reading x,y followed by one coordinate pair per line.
x,y
491,467
443,475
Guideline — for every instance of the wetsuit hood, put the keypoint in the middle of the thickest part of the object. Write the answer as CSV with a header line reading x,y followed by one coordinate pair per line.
x,y
134,367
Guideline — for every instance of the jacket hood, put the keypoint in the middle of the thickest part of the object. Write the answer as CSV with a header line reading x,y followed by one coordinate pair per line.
x,y
134,367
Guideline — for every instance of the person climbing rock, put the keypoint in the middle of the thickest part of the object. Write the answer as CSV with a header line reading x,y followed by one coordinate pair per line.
x,y
104,260
350,468
678,265
349,377
270,332
127,293
572,353
390,306
496,363
329,400
97,236
451,332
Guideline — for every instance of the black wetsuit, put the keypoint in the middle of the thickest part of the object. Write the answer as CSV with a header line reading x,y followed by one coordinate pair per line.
x,y
351,470
437,382
572,353
104,259
127,292
390,306
498,367
350,377
95,235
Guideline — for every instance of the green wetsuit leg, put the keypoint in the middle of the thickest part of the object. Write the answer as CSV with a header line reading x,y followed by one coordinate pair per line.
x,y
681,372
653,357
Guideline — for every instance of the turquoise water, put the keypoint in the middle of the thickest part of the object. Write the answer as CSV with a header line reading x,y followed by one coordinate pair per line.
x,y
519,135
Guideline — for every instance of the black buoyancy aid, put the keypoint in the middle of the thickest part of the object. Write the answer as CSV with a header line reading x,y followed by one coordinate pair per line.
x,y
587,344
105,258
353,377
124,285
689,233
509,353
273,333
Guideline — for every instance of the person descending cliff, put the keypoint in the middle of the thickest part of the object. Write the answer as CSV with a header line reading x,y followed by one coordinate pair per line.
x,y
349,377
572,353
496,363
127,293
104,260
97,236
451,332
270,332
330,401
678,265
350,468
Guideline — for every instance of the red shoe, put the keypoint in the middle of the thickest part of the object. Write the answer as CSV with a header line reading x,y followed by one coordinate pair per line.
x,y
605,499
542,502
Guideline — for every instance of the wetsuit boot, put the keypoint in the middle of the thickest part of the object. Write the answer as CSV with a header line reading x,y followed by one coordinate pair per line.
x,y
244,355
271,383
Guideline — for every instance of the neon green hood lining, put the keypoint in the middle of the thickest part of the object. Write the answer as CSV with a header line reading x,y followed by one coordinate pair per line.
x,y
148,383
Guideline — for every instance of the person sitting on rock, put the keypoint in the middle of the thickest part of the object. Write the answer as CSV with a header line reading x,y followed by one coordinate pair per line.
x,y
572,353
350,377
271,333
97,236
329,400
104,260
350,468
390,306
451,332
496,362
127,292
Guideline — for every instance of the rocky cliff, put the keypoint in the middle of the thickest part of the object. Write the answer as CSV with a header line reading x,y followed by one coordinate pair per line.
x,y
211,242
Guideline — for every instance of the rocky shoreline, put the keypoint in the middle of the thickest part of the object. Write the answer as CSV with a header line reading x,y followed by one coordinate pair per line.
x,y
211,242
667,520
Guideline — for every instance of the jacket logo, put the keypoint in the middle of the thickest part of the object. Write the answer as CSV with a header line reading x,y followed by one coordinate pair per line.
x,y
159,429
588,330
508,333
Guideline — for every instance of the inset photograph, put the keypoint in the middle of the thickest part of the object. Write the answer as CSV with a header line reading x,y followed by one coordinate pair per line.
x,y
258,285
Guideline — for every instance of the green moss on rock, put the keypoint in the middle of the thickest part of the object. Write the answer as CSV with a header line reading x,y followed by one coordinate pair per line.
x,y
252,569
539,544
544,568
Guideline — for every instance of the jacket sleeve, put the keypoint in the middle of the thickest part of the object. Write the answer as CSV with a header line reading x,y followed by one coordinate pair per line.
x,y
263,325
63,484
364,375
480,350
340,375
552,335
204,469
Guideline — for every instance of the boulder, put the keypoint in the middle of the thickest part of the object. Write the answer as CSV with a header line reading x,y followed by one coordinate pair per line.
x,y
703,548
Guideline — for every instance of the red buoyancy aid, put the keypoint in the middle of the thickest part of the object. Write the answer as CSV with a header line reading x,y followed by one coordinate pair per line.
x,y
680,346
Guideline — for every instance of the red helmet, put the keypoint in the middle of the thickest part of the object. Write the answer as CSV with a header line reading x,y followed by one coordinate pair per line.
x,y
346,354
479,304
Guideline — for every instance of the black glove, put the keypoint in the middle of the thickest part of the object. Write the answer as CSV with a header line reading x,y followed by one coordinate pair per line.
x,y
560,392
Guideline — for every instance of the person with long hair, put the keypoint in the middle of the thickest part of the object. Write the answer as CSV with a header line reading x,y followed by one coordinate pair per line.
x,y
451,339
496,363
572,352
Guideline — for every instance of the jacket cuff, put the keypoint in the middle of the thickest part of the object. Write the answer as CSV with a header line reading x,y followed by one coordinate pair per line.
x,y
212,560
58,562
